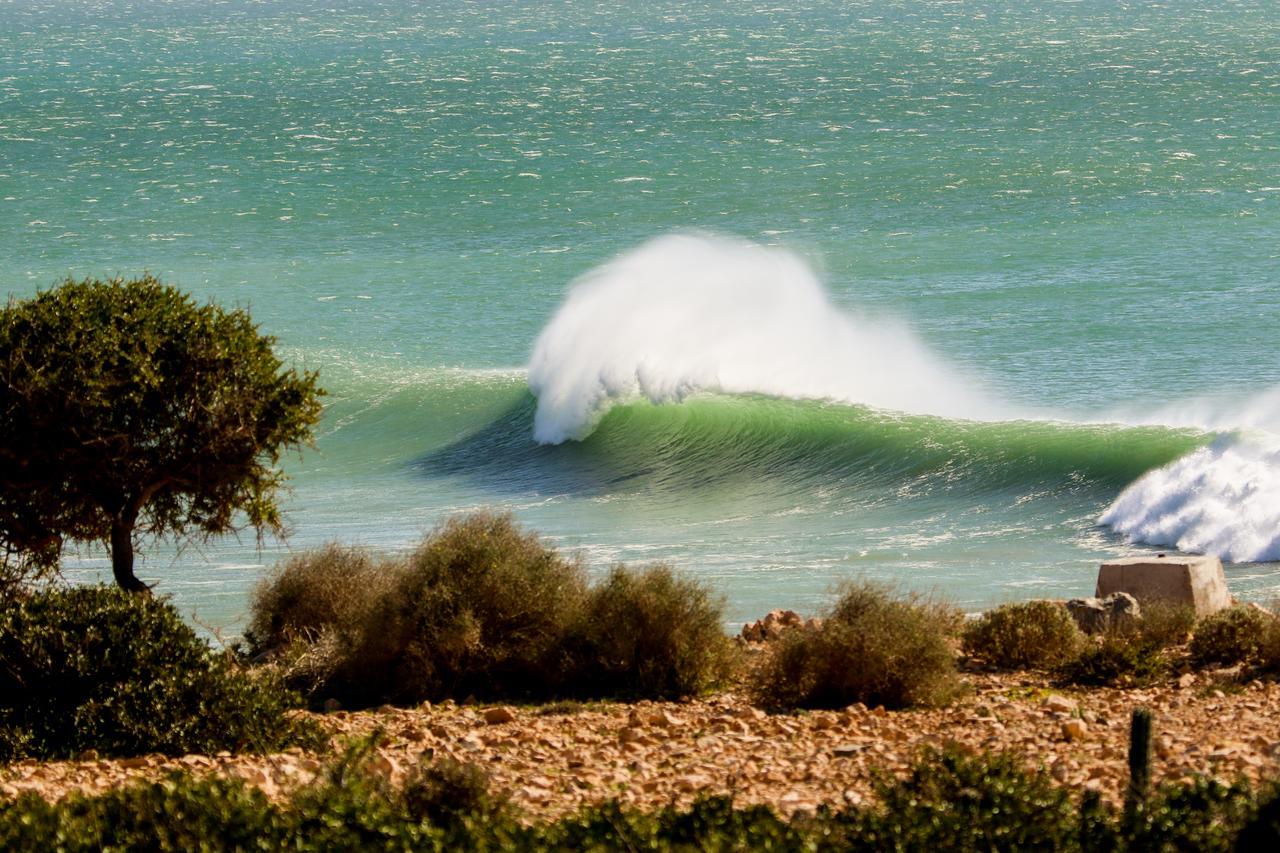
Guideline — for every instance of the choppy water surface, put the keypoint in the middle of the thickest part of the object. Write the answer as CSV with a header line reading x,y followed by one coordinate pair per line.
x,y
994,231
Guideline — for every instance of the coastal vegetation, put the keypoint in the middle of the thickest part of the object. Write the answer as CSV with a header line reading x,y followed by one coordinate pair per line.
x,y
872,647
1024,635
100,669
128,409
485,608
948,801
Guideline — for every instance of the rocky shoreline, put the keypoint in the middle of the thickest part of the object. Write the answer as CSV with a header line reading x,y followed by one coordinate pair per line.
x,y
553,759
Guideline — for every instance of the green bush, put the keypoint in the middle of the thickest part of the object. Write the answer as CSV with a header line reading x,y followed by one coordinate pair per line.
x,y
1203,815
1231,636
1119,656
484,608
122,674
871,647
1025,635
950,801
1165,625
650,633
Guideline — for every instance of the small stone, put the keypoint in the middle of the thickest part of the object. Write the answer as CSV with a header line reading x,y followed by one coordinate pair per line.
x,y
845,750
1059,704
1186,680
1074,729
499,715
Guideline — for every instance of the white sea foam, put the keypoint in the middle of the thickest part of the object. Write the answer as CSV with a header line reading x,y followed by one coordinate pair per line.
x,y
689,313
1223,499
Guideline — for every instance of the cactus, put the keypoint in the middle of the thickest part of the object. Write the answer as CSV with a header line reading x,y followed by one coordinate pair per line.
x,y
1140,737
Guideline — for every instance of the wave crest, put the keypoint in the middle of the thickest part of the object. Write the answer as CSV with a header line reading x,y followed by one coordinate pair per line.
x,y
691,313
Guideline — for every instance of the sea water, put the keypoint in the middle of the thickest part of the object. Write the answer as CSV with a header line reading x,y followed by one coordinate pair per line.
x,y
964,296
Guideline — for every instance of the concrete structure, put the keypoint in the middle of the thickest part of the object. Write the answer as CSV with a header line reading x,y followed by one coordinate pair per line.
x,y
1194,581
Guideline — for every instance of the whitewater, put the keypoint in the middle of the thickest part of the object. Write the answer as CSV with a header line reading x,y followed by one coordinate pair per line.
x,y
964,297
691,314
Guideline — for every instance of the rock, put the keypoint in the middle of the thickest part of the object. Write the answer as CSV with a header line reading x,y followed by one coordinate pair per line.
x,y
1197,582
847,750
1074,729
1095,615
1059,704
772,626
1186,680
499,715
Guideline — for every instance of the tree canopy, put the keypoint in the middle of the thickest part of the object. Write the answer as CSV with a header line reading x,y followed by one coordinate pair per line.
x,y
127,409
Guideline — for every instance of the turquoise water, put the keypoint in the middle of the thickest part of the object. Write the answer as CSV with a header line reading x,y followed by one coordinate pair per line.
x,y
994,230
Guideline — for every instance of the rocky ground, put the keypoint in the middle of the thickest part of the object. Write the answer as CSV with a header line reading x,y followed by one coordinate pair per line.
x,y
555,758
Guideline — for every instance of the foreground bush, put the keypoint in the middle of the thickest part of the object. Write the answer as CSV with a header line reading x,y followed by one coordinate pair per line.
x,y
485,608
122,674
871,647
651,633
948,801
1231,636
1027,635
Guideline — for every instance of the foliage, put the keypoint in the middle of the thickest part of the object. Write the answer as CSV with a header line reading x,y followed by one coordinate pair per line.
x,y
483,607
1165,625
871,647
951,801
1026,635
650,633
1231,636
97,668
315,608
1203,815
125,406
948,801
1119,656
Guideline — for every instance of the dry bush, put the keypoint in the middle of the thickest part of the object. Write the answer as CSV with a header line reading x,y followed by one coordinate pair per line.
x,y
482,607
651,633
871,647
1165,625
317,607
1024,635
1231,636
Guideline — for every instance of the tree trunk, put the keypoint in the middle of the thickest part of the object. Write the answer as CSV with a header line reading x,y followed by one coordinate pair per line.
x,y
122,556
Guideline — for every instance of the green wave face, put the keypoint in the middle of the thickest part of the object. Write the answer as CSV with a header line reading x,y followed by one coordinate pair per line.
x,y
756,443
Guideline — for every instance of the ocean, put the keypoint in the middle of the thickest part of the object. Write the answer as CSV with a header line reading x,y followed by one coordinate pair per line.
x,y
962,296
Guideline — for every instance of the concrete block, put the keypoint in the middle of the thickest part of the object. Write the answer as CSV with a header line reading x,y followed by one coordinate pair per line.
x,y
1197,582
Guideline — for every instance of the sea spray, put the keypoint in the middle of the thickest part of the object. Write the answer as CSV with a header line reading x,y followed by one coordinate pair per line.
x,y
1223,499
691,313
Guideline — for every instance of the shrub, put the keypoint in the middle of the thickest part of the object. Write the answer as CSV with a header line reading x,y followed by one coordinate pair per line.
x,y
1203,815
482,607
871,648
95,668
650,633
1026,635
315,608
1165,625
950,801
1234,635
448,793
1119,656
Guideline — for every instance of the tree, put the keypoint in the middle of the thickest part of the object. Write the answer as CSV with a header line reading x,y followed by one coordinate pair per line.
x,y
127,409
